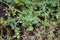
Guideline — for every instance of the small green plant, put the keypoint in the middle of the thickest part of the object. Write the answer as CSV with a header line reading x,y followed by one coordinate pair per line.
x,y
42,13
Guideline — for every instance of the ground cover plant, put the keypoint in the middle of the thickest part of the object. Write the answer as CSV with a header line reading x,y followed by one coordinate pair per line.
x,y
29,19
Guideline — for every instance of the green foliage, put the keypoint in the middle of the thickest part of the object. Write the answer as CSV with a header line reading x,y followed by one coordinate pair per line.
x,y
32,13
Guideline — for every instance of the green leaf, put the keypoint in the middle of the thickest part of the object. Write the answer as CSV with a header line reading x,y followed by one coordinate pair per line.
x,y
38,34
30,28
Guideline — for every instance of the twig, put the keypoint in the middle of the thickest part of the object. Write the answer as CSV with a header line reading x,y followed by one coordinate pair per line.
x,y
11,7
